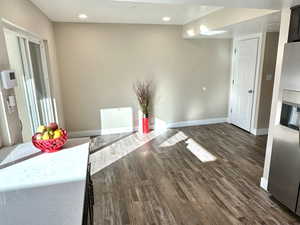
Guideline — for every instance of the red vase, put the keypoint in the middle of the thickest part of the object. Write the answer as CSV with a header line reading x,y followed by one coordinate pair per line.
x,y
146,125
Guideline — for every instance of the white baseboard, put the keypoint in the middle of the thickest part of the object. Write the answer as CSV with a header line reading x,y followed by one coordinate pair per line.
x,y
84,133
87,133
261,131
264,183
197,122
117,130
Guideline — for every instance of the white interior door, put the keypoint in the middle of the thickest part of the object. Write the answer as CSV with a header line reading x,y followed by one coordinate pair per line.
x,y
246,55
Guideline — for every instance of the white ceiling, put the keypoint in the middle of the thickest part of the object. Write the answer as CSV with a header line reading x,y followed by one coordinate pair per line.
x,y
268,23
110,11
257,4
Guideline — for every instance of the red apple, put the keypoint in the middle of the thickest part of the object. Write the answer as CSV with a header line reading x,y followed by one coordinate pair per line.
x,y
53,126
38,136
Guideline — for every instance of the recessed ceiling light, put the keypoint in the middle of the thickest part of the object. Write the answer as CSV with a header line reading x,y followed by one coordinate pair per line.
x,y
190,32
203,28
213,32
166,18
82,16
205,31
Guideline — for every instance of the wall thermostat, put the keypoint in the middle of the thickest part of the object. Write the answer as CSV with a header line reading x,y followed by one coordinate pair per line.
x,y
9,79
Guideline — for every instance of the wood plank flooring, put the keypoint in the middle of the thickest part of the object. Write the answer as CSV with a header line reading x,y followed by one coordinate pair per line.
x,y
99,142
167,185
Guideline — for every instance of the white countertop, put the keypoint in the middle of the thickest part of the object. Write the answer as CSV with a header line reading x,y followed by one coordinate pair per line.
x,y
47,189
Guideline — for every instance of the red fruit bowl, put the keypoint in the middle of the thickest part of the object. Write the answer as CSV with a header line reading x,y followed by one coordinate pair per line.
x,y
51,145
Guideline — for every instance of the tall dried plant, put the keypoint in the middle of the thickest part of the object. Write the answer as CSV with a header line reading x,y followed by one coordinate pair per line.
x,y
143,91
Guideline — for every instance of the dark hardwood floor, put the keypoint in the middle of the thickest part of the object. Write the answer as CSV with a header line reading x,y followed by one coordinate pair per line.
x,y
157,185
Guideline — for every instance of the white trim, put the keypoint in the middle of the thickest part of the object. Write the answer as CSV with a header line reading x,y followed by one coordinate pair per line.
x,y
248,36
197,122
260,131
5,113
230,99
264,183
86,133
117,130
20,30
258,79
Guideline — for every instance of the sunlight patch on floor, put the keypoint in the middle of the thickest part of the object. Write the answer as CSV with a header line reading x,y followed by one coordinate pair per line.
x,y
110,154
178,137
199,151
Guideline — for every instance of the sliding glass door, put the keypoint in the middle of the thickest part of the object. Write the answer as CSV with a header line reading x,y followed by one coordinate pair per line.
x,y
28,57
41,82
36,82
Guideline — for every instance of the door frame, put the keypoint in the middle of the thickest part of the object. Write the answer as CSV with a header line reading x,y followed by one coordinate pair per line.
x,y
258,77
34,38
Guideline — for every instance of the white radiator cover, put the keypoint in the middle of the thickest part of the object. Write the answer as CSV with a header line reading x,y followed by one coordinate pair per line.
x,y
116,120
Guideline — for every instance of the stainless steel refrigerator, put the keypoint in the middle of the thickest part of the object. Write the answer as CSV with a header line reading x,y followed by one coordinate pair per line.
x,y
284,177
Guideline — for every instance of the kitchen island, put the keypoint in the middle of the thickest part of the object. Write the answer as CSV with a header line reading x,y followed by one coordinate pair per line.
x,y
44,188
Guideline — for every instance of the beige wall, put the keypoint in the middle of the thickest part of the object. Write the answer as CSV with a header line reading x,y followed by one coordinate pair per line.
x,y
99,63
269,64
24,14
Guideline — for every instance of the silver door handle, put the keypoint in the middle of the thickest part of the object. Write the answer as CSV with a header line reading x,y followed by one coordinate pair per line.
x,y
250,91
